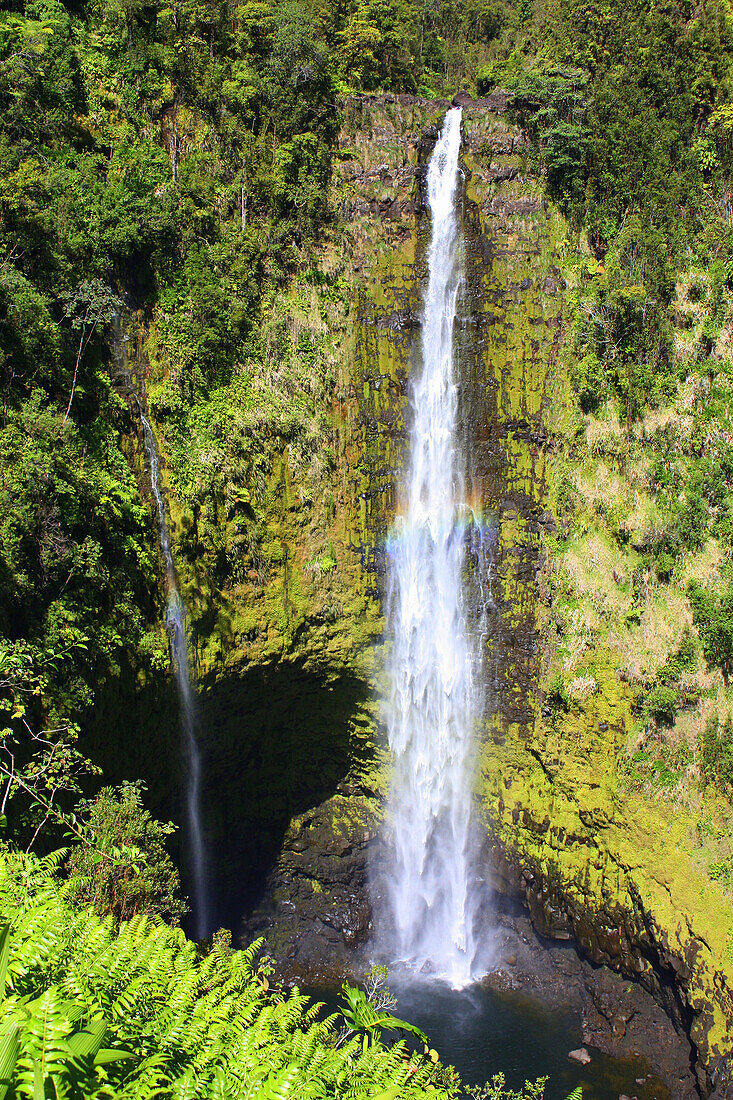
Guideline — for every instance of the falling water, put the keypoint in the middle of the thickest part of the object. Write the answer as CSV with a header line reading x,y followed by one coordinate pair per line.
x,y
176,622
434,703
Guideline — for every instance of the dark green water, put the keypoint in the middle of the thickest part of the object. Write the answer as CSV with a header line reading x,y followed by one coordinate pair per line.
x,y
482,1032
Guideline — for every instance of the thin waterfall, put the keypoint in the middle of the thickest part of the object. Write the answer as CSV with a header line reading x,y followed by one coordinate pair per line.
x,y
176,623
435,701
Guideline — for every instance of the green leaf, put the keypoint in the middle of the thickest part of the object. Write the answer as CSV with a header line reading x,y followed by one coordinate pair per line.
x,y
8,1056
39,1092
4,956
281,1085
87,1042
106,1056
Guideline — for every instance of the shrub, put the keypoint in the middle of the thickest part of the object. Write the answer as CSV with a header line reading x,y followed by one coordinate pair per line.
x,y
661,704
664,566
127,872
683,659
189,1026
716,754
557,697
712,613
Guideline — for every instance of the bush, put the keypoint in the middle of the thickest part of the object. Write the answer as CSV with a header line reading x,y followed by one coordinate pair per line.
x,y
589,381
126,870
716,754
664,566
208,1027
684,658
712,613
661,704
557,697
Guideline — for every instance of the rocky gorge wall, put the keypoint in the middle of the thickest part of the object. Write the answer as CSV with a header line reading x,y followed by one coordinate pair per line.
x,y
288,640
508,333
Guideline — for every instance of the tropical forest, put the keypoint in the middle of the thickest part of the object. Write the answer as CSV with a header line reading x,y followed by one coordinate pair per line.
x,y
366,549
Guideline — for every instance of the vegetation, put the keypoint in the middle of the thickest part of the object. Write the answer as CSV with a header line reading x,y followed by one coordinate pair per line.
x,y
146,881
716,754
93,1009
165,176
181,1022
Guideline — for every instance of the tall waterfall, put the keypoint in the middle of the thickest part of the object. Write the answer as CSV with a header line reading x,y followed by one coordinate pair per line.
x,y
176,622
434,701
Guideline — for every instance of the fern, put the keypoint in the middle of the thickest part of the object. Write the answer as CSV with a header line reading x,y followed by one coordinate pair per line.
x,y
280,1086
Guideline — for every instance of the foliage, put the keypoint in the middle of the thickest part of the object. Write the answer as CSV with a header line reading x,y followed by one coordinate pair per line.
x,y
146,881
150,160
209,1024
76,565
682,659
716,754
44,1049
41,769
656,766
496,1089
368,1022
173,164
713,615
627,111
661,703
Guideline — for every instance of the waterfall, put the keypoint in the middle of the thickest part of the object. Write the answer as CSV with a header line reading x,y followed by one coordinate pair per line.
x,y
176,623
434,702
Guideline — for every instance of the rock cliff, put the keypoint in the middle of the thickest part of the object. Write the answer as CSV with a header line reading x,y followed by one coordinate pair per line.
x,y
289,638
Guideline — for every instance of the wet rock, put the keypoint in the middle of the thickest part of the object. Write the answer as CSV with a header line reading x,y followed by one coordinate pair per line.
x,y
499,981
618,1027
722,1092
581,1056
503,174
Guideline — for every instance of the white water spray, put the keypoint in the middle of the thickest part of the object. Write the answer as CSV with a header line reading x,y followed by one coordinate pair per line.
x,y
434,703
176,622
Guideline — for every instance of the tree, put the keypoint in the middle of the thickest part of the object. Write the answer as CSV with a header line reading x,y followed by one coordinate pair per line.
x,y
40,768
91,303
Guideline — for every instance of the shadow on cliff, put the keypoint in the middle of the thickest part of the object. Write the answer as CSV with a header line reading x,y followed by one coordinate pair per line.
x,y
276,741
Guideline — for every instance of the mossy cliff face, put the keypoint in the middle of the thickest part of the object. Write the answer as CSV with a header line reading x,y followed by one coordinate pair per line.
x,y
508,332
316,906
279,507
282,571
595,861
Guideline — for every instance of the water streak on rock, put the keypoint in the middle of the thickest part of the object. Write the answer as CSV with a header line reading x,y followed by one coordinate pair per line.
x,y
176,623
